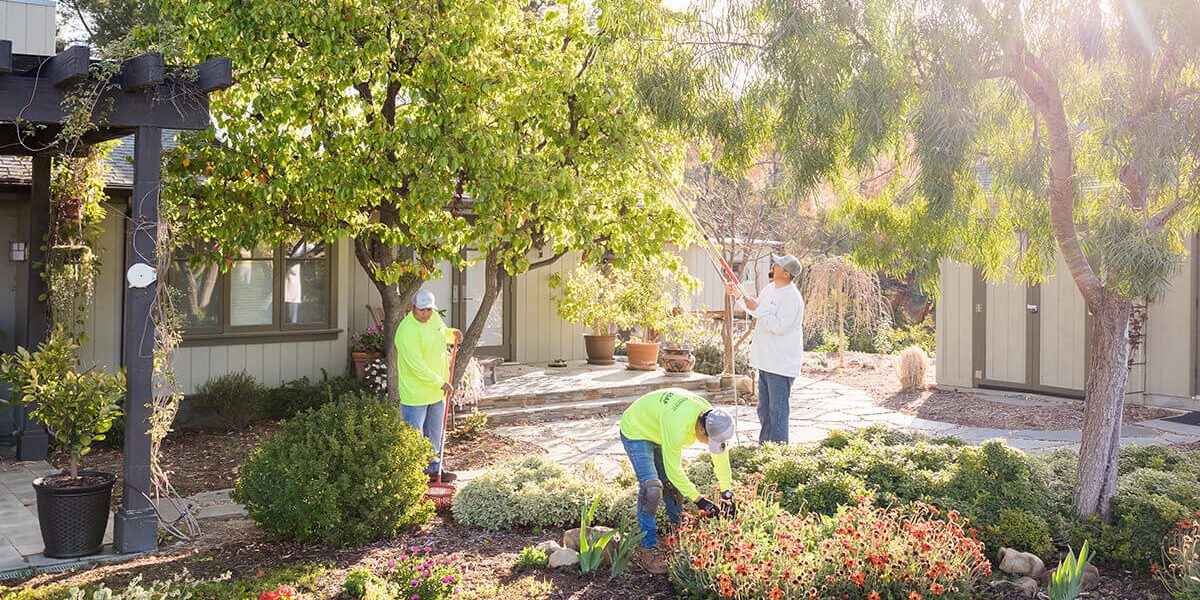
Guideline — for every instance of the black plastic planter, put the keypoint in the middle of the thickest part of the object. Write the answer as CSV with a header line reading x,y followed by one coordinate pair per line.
x,y
73,518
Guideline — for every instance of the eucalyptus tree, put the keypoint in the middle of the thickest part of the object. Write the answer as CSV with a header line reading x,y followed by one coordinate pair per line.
x,y
424,129
1081,115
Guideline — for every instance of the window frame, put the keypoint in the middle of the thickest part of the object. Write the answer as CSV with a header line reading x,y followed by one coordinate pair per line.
x,y
224,333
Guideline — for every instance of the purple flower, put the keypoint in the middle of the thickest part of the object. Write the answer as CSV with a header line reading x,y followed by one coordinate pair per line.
x,y
449,579
391,564
403,557
415,597
414,549
414,582
428,549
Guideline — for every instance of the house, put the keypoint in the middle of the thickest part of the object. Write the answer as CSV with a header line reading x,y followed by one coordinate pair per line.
x,y
1011,336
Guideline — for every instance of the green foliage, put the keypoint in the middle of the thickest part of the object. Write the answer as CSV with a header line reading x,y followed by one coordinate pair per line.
x,y
77,408
649,294
1022,530
1157,487
629,536
302,394
893,340
347,472
235,399
587,297
1068,577
530,558
473,424
535,493
416,574
591,552
709,349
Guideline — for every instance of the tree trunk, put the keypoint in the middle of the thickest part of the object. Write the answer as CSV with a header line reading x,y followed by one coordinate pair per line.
x,y
494,277
1108,374
841,311
727,335
373,256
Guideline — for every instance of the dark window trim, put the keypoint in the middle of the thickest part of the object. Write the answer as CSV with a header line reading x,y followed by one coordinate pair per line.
x,y
260,337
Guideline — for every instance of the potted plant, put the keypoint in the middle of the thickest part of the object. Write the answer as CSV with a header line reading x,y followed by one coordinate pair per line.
x,y
678,329
647,294
588,297
77,408
365,348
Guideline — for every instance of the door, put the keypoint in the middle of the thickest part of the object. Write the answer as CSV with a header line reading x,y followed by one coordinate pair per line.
x,y
468,293
13,231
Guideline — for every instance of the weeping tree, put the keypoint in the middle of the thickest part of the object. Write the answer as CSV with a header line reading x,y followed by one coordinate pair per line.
x,y
1021,129
835,288
422,130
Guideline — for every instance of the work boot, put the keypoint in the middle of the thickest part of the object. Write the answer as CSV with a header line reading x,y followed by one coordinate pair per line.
x,y
650,560
447,477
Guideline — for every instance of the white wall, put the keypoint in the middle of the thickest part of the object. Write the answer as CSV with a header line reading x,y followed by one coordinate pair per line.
x,y
29,24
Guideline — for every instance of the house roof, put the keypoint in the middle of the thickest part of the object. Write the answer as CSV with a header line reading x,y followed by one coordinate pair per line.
x,y
18,170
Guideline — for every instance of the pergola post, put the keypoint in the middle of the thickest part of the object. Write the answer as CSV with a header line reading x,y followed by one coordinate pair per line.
x,y
135,527
31,436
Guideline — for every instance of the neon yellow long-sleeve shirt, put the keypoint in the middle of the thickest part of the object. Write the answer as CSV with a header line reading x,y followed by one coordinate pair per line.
x,y
422,363
668,418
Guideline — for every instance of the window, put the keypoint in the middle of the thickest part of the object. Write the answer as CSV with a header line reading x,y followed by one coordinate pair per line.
x,y
267,290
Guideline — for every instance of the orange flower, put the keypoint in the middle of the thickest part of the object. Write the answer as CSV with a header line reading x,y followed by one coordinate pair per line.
x,y
858,578
1153,569
776,593
937,589
874,595
914,596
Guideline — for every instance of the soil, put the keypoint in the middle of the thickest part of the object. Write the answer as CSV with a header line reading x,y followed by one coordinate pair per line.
x,y
1192,447
467,452
1114,585
57,482
876,375
240,549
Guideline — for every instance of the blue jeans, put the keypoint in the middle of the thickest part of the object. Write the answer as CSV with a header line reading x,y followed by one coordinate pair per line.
x,y
428,420
647,460
774,393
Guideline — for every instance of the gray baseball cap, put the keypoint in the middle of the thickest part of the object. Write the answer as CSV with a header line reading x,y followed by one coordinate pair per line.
x,y
424,299
790,263
720,428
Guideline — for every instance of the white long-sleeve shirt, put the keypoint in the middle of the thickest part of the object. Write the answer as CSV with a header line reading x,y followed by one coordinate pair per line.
x,y
778,343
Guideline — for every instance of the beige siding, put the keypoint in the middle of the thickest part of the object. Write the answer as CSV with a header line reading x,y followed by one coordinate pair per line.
x,y
953,315
1005,333
1169,338
29,24
1062,315
103,325
540,335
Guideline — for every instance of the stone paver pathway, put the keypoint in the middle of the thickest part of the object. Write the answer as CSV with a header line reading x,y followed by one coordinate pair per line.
x,y
818,407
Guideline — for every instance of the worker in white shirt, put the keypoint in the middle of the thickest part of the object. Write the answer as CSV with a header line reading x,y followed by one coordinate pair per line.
x,y
777,348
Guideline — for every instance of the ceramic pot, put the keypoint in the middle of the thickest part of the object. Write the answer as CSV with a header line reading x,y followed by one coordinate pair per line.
x,y
600,349
361,360
73,517
677,361
643,356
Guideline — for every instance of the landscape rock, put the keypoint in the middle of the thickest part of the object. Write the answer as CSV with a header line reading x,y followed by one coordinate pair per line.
x,y
743,384
1022,564
1091,578
1028,586
571,539
563,557
549,546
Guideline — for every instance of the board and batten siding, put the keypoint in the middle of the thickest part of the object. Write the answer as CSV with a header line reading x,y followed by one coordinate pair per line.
x,y
102,325
953,314
29,24
1170,341
1063,322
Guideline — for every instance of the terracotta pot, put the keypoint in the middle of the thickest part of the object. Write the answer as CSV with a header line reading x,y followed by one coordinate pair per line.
x,y
643,356
600,349
361,360
677,361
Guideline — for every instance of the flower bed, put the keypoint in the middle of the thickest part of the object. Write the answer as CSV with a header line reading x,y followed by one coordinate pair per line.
x,y
416,574
862,551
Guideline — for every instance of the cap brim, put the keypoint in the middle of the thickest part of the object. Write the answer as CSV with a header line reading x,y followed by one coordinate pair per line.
x,y
715,447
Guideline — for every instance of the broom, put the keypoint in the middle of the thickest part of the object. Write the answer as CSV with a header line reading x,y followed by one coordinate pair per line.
x,y
442,494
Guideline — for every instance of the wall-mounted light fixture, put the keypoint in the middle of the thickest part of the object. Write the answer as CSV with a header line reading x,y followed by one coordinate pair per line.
x,y
16,251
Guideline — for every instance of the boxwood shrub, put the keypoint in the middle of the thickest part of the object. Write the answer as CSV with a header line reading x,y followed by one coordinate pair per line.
x,y
348,472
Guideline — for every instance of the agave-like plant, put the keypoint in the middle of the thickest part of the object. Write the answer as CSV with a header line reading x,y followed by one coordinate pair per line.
x,y
1068,577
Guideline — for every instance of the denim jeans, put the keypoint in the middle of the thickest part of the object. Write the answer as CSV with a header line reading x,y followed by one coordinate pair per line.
x,y
774,393
647,460
428,420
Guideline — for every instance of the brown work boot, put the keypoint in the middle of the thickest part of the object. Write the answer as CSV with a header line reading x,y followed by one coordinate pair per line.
x,y
650,560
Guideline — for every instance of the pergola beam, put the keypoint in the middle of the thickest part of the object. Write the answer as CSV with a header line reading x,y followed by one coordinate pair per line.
x,y
144,71
68,66
36,101
6,65
214,74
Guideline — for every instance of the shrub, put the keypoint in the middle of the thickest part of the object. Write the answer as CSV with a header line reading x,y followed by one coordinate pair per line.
x,y
889,340
862,551
911,368
709,349
535,493
531,557
1157,487
180,586
1181,560
294,397
348,472
235,399
414,574
1021,530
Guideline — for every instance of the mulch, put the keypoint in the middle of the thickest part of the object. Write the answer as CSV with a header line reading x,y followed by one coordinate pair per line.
x,y
876,375
1114,585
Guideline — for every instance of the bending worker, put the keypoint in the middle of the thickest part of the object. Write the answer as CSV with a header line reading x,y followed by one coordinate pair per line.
x,y
654,430
423,369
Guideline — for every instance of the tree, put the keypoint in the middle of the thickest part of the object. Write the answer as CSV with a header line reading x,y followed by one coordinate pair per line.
x,y
836,287
423,129
1082,114
105,23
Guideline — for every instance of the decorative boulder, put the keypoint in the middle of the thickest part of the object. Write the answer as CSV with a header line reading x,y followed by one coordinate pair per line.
x,y
744,384
571,539
1022,564
563,557
1028,586
1091,578
549,547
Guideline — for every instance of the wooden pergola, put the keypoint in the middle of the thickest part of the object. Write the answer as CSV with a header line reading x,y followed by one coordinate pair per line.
x,y
147,98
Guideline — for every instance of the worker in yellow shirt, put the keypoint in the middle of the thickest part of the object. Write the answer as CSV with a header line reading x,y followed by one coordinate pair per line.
x,y
654,430
423,367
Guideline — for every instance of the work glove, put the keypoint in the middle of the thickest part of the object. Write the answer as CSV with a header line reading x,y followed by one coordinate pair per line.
x,y
707,508
728,506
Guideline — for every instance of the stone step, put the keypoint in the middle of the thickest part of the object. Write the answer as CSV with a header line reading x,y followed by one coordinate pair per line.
x,y
576,409
694,382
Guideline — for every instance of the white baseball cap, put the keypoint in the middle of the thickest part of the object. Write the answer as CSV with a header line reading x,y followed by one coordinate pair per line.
x,y
720,427
424,299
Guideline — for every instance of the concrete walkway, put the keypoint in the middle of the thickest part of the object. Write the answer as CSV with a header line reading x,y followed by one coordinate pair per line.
x,y
818,407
